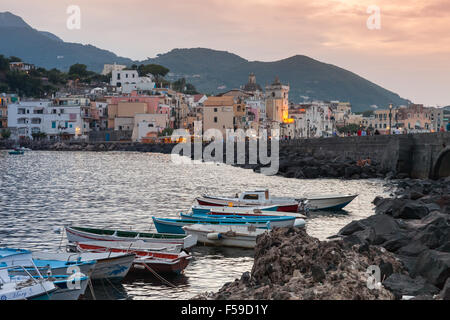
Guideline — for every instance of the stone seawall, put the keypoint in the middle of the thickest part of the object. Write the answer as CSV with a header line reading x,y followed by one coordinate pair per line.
x,y
417,155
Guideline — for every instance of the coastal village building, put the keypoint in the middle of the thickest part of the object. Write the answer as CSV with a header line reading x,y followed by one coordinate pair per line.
x,y
27,117
4,101
149,123
99,115
57,121
218,113
414,118
128,81
21,66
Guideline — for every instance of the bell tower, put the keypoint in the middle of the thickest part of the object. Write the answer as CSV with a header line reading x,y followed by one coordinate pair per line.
x,y
277,101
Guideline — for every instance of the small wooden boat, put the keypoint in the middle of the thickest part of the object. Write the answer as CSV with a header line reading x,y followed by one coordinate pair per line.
x,y
78,234
273,222
17,152
225,236
165,260
109,265
175,226
242,211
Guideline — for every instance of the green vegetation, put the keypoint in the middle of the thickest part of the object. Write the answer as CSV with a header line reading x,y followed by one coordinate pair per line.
x,y
6,134
39,82
183,87
353,128
166,132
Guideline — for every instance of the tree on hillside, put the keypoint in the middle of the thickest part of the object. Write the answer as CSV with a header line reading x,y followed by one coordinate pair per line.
x,y
158,72
14,59
181,86
4,63
78,71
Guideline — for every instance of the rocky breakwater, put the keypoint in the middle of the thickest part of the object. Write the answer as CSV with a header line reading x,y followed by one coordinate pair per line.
x,y
415,226
291,265
97,147
327,165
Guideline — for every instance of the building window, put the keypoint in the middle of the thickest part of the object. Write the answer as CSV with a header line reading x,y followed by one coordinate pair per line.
x,y
53,124
215,109
215,119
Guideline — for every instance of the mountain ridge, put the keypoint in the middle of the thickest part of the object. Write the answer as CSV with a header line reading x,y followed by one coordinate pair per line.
x,y
211,71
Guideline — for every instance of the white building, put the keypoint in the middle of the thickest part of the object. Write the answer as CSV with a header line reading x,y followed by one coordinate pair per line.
x,y
56,121
316,122
27,117
129,81
149,123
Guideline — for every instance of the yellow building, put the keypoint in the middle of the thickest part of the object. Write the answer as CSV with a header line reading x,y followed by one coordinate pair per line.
x,y
277,102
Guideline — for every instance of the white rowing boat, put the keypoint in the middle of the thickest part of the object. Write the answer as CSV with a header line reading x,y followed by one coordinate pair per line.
x,y
225,236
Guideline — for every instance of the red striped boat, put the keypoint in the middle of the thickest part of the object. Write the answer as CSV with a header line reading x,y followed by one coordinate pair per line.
x,y
161,260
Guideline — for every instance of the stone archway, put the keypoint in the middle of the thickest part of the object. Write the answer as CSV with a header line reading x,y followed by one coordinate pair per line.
x,y
441,168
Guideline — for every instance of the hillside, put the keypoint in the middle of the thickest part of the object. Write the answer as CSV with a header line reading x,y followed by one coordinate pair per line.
x,y
46,50
211,71
215,71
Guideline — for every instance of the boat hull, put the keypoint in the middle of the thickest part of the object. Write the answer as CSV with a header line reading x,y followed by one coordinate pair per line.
x,y
160,262
83,235
111,266
331,203
67,293
41,291
242,211
215,202
273,222
176,226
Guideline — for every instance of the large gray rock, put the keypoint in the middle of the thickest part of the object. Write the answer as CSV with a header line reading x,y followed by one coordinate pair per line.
x,y
434,266
411,211
404,285
445,293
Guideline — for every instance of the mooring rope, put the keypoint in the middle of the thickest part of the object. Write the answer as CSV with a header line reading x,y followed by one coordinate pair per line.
x,y
158,276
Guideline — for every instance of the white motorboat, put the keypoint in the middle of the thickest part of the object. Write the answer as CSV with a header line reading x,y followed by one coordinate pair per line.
x,y
263,198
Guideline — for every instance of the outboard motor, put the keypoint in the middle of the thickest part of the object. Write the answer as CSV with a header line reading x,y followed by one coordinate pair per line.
x,y
303,206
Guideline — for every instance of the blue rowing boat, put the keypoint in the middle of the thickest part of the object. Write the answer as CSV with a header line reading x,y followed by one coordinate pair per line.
x,y
205,216
175,226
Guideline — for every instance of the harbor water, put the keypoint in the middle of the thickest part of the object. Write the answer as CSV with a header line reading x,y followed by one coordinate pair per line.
x,y
41,192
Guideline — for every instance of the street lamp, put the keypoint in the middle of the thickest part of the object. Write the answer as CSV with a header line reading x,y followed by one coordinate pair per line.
x,y
390,119
308,128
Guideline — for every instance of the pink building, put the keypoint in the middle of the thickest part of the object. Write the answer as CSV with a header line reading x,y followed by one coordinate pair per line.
x,y
151,101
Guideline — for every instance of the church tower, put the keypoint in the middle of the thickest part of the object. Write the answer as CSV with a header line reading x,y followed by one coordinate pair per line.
x,y
277,101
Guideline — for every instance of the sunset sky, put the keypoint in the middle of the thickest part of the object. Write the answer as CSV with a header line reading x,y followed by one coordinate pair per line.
x,y
409,55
